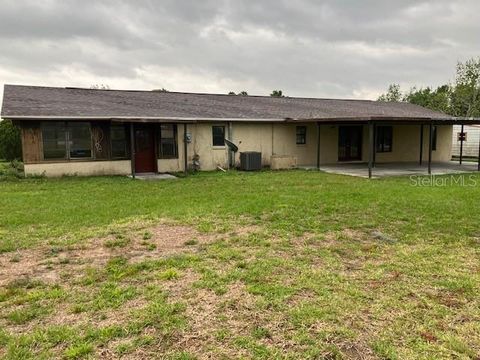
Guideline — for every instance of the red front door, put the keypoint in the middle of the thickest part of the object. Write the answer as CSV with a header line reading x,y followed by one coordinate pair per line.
x,y
145,148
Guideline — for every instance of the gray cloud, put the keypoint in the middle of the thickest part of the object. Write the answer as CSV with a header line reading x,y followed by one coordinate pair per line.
x,y
328,48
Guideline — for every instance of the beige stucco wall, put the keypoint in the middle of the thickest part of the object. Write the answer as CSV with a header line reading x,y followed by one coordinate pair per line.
x,y
117,167
280,139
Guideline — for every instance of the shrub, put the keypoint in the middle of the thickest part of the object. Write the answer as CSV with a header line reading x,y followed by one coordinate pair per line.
x,y
10,143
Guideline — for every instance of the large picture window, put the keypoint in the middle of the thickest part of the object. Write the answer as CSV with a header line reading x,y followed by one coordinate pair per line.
x,y
118,139
384,138
62,140
167,144
218,135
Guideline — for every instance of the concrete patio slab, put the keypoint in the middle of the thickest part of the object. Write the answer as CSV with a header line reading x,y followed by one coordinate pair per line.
x,y
398,169
153,176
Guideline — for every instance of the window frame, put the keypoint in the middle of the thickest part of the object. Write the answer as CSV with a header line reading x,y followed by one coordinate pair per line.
x,y
380,143
67,140
302,133
213,136
160,154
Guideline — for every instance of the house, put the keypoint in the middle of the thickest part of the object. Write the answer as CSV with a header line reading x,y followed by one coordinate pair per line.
x,y
90,131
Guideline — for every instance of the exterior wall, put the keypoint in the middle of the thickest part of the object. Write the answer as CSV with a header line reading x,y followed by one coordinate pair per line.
x,y
470,146
406,144
116,167
277,139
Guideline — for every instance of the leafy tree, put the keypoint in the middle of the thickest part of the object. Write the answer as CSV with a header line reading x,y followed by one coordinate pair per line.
x,y
438,99
10,143
232,93
243,93
277,93
393,94
465,99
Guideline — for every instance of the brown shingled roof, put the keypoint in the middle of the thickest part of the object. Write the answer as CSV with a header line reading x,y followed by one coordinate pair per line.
x,y
23,102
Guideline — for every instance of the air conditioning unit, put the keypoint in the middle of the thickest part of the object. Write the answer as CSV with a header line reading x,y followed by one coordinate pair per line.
x,y
250,160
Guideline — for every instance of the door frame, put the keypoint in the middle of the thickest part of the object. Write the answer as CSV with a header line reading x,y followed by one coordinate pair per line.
x,y
154,130
349,134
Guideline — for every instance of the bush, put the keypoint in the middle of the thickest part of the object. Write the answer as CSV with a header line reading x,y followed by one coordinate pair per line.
x,y
11,170
10,143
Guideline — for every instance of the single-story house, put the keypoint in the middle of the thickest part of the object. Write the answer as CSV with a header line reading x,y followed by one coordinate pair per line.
x,y
90,131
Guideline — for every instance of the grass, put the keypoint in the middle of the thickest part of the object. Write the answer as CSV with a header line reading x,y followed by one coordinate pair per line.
x,y
332,267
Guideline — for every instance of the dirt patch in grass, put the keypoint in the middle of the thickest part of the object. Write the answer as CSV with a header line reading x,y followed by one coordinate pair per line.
x,y
57,265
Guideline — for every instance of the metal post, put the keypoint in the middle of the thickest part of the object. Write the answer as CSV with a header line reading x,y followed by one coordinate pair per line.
x,y
430,144
461,145
478,156
370,149
374,145
421,145
185,161
318,146
132,149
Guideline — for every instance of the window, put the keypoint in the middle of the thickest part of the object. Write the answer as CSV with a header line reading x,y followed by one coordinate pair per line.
x,y
54,140
384,138
434,138
218,135
167,145
63,140
79,140
301,135
118,138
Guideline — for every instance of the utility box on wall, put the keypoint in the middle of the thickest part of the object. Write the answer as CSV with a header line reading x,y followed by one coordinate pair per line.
x,y
250,160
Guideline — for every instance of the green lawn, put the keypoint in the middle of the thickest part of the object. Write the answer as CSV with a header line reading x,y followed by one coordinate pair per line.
x,y
265,265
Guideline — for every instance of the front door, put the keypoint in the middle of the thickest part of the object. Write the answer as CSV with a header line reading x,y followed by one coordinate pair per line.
x,y
145,148
350,143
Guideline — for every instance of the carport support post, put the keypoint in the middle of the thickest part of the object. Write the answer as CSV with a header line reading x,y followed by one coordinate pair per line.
x,y
185,161
430,144
478,168
421,145
318,146
461,145
370,148
132,149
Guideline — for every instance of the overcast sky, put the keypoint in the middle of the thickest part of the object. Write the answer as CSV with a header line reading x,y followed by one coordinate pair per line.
x,y
341,48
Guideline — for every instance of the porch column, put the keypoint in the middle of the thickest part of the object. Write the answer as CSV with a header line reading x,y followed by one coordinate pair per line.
x,y
370,148
430,144
318,146
132,149
185,161
478,168
421,145
461,145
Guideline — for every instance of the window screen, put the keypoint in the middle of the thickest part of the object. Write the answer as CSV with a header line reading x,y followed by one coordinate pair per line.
x,y
118,138
54,140
80,140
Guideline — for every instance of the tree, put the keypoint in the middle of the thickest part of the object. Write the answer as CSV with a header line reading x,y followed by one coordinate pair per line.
x,y
465,98
277,93
243,93
232,93
10,142
438,99
393,94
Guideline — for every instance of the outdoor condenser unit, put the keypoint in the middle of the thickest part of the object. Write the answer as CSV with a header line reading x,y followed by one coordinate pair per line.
x,y
250,160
